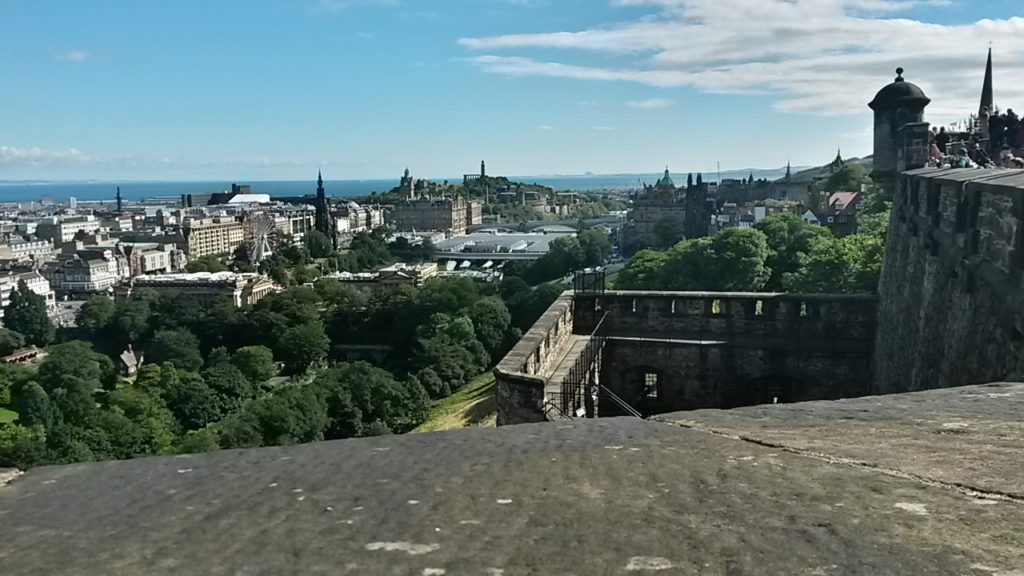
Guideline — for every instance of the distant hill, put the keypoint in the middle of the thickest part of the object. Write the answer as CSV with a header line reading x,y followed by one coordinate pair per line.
x,y
821,172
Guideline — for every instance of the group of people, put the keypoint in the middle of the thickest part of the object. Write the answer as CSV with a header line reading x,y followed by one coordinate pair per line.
x,y
993,144
1001,129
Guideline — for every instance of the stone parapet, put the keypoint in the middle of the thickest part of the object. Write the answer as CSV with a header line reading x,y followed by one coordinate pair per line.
x,y
951,294
522,373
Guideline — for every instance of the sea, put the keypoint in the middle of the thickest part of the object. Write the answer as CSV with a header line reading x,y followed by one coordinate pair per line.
x,y
95,191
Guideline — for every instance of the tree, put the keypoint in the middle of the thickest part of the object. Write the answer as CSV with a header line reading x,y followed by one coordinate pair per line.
x,y
22,446
596,246
10,341
206,264
297,414
318,244
527,309
33,406
132,320
12,375
449,346
840,266
789,239
302,346
362,399
75,401
643,271
97,313
433,384
155,425
177,347
230,385
732,261
196,442
27,315
193,403
491,321
255,362
75,359
564,255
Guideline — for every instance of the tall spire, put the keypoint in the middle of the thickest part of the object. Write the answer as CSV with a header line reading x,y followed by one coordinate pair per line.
x,y
119,204
986,89
319,181
789,170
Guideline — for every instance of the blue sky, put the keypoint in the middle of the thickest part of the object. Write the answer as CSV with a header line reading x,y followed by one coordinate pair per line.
x,y
267,89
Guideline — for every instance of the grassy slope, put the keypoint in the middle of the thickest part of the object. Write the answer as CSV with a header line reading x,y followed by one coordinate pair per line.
x,y
7,415
473,406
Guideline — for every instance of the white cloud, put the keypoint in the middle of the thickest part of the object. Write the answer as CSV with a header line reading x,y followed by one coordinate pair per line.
x,y
651,103
811,56
74,56
546,127
604,128
10,156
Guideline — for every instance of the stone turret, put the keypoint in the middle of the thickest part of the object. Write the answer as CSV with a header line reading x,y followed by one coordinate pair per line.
x,y
899,127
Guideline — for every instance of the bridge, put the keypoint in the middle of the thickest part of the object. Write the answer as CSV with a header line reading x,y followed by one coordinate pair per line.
x,y
534,225
645,353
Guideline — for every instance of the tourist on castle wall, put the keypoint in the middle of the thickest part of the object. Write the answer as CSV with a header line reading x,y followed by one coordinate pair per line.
x,y
942,139
1012,128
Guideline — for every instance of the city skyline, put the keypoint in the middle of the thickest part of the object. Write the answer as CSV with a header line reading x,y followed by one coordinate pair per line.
x,y
363,88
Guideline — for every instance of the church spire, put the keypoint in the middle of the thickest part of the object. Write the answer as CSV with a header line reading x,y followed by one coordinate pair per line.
x,y
987,97
789,170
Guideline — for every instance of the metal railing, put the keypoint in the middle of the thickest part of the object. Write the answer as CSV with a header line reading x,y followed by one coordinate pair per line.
x,y
580,388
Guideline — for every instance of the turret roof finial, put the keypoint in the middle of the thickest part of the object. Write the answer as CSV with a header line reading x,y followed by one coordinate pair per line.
x,y
899,74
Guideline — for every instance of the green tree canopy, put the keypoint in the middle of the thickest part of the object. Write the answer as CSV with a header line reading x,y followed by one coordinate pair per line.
x,y
97,313
302,346
206,264
178,347
193,403
789,238
491,322
10,341
77,359
26,314
642,271
318,244
255,362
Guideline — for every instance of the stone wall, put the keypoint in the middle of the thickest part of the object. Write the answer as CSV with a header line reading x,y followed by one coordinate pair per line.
x,y
523,372
951,300
715,350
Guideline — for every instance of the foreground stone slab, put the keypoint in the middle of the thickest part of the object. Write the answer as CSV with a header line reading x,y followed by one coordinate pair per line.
x,y
617,496
971,437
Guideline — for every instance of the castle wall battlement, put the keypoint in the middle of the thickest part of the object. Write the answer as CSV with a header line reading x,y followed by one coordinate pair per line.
x,y
951,299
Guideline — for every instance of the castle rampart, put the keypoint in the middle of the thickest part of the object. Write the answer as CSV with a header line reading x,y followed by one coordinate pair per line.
x,y
951,300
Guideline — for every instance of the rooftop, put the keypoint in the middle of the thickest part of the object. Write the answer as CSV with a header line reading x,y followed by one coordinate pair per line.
x,y
928,482
204,278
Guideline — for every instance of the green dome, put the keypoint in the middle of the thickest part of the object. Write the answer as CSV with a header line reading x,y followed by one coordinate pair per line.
x,y
666,181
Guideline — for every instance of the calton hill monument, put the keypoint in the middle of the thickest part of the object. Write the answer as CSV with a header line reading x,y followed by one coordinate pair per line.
x,y
949,312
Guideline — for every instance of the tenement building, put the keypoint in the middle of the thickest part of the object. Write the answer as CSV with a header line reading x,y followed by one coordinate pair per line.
x,y
212,236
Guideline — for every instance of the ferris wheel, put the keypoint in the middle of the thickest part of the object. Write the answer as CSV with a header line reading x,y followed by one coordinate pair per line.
x,y
258,229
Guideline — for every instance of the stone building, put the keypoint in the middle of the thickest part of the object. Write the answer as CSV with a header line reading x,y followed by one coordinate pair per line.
x,y
663,214
212,236
206,287
61,229
427,206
